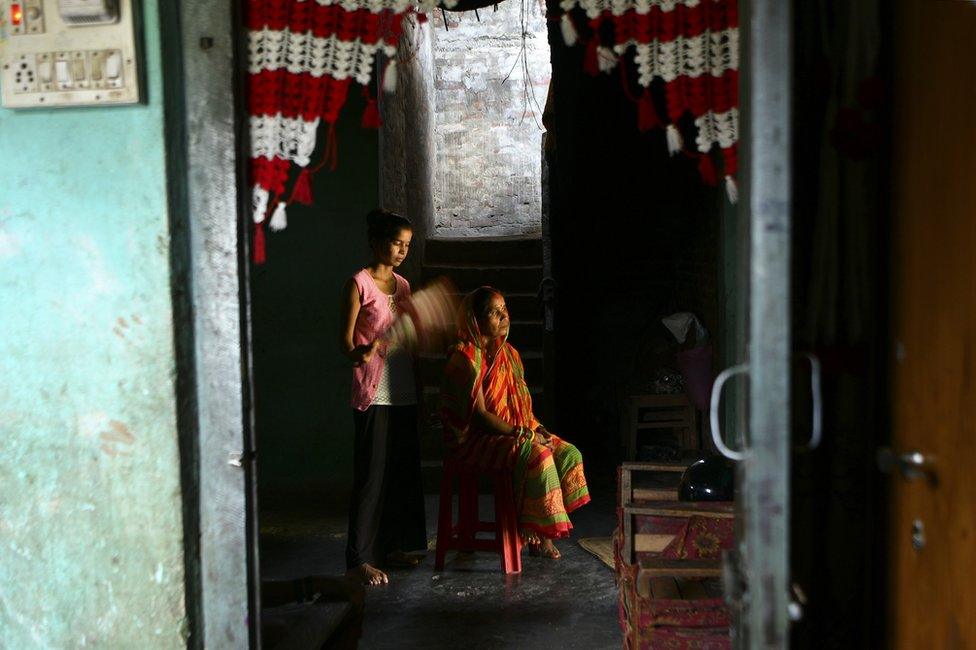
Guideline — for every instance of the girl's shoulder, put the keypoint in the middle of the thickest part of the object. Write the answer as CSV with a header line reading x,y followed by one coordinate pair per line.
x,y
362,281
360,276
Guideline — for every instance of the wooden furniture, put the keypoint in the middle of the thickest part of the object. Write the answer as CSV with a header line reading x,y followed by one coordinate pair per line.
x,y
668,562
663,487
654,413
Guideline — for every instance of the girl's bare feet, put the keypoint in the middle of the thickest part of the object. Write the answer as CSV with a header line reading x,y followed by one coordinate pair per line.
x,y
368,575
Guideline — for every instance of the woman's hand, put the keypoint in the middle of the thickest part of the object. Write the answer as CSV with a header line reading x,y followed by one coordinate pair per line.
x,y
546,436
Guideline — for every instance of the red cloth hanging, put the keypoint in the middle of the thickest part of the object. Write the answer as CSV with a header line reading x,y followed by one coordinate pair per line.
x,y
692,48
302,57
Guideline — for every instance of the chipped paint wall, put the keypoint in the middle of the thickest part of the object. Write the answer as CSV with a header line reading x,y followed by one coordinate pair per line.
x,y
490,91
91,536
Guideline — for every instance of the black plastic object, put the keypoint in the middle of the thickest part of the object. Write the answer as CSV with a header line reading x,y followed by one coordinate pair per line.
x,y
708,479
469,5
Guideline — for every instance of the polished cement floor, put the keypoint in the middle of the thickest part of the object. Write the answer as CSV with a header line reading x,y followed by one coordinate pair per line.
x,y
567,603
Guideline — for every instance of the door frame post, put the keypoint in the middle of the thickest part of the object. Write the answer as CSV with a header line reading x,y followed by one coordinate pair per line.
x,y
206,138
765,472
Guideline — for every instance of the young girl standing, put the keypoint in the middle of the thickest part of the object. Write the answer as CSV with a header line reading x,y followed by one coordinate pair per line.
x,y
387,511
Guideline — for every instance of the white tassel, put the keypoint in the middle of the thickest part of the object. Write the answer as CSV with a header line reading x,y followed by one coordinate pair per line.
x,y
259,203
390,77
606,59
675,143
279,220
732,189
569,32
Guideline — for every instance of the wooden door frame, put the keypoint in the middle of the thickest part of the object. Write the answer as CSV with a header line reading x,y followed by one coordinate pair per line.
x,y
764,474
206,141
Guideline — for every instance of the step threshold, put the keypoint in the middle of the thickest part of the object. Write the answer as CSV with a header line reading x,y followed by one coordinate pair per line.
x,y
461,266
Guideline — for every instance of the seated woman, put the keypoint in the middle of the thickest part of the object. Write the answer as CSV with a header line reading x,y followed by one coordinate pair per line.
x,y
487,410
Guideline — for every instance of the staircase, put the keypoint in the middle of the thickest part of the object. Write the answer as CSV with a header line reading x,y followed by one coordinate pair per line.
x,y
513,265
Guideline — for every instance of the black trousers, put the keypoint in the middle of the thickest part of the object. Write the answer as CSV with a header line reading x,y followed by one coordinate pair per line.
x,y
387,509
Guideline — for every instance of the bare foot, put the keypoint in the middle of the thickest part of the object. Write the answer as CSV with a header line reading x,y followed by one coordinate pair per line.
x,y
368,575
545,549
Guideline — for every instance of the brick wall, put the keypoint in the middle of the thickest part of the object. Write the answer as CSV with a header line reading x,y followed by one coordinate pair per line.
x,y
487,132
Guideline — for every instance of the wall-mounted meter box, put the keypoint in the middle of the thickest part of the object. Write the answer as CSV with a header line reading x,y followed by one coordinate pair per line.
x,y
68,53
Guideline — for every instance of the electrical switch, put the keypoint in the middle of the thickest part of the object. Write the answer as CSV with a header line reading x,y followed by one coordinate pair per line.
x,y
78,70
113,66
44,70
56,53
96,66
61,70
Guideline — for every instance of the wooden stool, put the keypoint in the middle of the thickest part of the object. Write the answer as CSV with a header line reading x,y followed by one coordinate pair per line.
x,y
673,412
462,537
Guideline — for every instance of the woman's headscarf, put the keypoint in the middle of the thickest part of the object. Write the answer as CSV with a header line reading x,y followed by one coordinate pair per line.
x,y
495,366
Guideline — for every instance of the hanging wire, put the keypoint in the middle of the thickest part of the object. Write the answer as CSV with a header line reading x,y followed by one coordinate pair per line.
x,y
528,88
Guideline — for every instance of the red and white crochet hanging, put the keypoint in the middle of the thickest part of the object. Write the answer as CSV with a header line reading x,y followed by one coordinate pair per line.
x,y
302,57
692,46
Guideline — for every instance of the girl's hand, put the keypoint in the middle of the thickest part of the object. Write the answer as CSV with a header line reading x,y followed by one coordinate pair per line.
x,y
361,354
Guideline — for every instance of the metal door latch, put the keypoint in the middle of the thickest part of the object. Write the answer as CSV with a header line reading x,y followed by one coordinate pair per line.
x,y
918,534
911,465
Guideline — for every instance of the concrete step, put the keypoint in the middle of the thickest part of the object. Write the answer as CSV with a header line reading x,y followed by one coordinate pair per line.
x,y
485,251
507,279
521,306
432,368
526,336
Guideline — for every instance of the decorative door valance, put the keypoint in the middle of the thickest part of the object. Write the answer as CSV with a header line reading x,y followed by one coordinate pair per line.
x,y
302,57
691,46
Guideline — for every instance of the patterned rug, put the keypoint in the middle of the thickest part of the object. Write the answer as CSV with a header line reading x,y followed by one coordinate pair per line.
x,y
601,547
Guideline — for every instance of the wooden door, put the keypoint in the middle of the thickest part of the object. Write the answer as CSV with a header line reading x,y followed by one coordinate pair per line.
x,y
933,524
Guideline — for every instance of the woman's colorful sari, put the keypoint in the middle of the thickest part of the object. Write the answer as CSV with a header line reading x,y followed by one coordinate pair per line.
x,y
549,483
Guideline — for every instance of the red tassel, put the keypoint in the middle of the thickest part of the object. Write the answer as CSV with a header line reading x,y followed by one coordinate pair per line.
x,y
591,60
706,167
371,116
331,154
647,118
302,193
421,18
259,252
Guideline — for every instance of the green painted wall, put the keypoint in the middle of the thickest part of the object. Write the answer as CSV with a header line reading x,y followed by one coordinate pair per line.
x,y
91,544
304,421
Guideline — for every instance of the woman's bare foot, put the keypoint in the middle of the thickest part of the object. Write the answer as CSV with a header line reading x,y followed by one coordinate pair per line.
x,y
368,575
546,549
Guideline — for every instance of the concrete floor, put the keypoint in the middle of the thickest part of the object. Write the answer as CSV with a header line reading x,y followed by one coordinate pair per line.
x,y
568,603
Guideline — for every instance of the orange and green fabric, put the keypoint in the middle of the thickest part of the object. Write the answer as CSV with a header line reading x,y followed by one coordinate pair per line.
x,y
549,483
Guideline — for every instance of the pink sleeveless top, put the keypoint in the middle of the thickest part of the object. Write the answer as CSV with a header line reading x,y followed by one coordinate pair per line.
x,y
373,320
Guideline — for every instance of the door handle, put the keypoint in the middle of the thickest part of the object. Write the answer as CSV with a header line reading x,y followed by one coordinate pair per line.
x,y
816,393
723,377
816,433
911,465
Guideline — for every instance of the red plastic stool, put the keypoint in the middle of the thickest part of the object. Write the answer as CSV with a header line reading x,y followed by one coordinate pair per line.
x,y
462,536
